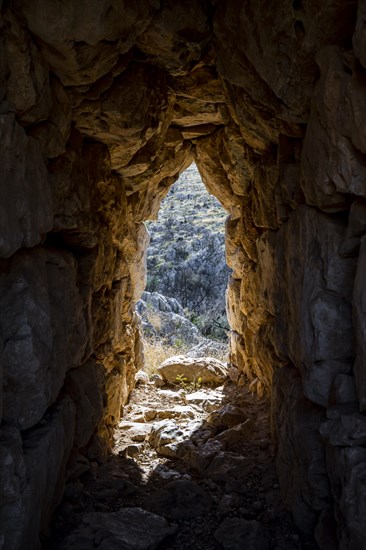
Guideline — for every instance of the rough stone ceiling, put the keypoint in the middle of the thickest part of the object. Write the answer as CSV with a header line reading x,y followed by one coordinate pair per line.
x,y
162,82
129,72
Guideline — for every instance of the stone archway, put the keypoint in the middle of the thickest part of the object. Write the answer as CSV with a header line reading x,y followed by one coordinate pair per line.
x,y
102,105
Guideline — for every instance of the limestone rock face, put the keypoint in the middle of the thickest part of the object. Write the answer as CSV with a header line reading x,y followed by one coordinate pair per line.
x,y
322,343
346,465
300,453
26,194
164,317
33,478
34,308
102,105
335,165
82,43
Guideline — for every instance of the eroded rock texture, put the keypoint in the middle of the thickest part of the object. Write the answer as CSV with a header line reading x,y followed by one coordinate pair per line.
x,y
102,105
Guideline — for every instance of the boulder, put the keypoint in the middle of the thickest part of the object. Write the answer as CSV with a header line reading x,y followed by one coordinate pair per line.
x,y
171,440
211,371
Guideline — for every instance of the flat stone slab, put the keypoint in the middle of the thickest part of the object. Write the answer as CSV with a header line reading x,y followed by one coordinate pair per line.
x,y
208,401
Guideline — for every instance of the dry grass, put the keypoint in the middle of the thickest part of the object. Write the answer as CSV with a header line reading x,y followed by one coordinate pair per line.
x,y
154,318
156,351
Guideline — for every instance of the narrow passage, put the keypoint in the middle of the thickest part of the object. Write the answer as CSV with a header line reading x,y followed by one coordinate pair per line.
x,y
192,467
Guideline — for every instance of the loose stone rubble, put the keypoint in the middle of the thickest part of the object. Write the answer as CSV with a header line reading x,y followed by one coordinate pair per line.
x,y
212,490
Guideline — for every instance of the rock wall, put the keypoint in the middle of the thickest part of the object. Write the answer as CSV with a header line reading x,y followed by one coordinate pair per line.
x,y
102,105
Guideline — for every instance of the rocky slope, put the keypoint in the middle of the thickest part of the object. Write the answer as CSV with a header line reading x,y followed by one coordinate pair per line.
x,y
164,324
186,256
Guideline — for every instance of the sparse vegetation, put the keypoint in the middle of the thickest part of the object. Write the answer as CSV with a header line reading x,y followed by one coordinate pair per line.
x,y
156,351
154,318
186,385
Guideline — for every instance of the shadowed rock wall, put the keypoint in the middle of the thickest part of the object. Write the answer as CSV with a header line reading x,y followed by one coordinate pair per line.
x,y
102,105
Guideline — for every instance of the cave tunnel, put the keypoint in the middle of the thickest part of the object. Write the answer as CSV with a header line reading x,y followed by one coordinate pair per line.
x,y
103,104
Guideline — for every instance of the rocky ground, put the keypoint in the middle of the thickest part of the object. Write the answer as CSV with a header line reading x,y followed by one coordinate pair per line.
x,y
192,468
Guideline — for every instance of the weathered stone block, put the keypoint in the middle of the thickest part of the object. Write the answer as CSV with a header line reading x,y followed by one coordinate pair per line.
x,y
235,254
26,208
234,315
117,392
348,430
85,387
343,390
313,300
12,488
122,116
251,303
27,78
213,173
43,329
266,270
55,131
137,265
300,452
84,42
32,475
332,165
288,158
264,213
346,467
162,38
208,370
237,351
46,450
278,65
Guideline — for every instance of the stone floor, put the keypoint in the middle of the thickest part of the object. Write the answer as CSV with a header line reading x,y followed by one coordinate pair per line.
x,y
190,470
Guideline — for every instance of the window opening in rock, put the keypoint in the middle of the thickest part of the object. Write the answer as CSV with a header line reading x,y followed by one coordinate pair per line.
x,y
183,307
